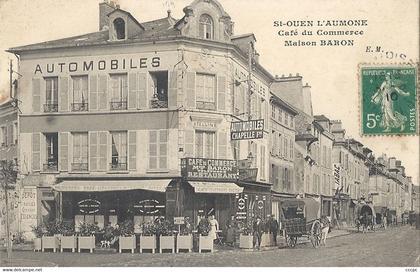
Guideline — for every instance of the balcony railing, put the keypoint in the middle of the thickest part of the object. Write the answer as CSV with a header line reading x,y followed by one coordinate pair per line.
x,y
50,107
79,106
118,164
78,166
118,105
50,166
158,104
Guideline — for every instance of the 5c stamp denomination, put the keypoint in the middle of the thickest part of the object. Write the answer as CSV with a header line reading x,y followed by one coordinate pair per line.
x,y
388,100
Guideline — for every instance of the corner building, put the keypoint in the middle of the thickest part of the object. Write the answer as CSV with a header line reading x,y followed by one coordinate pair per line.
x,y
108,116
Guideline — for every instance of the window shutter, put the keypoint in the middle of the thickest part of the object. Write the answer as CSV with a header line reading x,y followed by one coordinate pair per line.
x,y
36,151
93,151
222,144
93,95
102,149
189,143
190,90
103,92
132,141
142,103
275,176
10,135
132,90
64,93
221,93
36,95
172,90
63,143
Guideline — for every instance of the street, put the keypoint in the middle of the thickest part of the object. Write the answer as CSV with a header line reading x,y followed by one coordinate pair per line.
x,y
392,247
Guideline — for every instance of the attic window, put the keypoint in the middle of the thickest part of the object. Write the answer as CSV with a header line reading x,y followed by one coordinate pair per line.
x,y
206,27
119,28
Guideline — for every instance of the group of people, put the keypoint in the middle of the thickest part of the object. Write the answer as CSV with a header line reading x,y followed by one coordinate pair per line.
x,y
259,227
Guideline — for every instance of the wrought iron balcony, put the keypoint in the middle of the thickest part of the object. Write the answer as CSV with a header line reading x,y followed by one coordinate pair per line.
x,y
78,166
50,107
79,106
51,166
158,102
119,105
118,164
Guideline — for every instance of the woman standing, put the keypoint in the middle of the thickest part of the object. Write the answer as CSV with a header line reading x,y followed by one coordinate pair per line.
x,y
214,226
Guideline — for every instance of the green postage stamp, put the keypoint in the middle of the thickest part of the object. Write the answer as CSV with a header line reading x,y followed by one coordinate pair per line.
x,y
388,100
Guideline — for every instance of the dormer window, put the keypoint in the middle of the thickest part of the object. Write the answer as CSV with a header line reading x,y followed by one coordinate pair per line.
x,y
206,27
119,28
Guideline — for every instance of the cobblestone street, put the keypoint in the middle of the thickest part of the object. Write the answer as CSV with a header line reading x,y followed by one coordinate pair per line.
x,y
393,247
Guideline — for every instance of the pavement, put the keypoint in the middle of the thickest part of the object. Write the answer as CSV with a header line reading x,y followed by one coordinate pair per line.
x,y
391,247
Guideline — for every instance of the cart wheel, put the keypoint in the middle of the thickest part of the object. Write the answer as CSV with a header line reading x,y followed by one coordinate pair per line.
x,y
291,240
316,235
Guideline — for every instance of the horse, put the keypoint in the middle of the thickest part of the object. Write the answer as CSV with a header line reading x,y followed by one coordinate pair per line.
x,y
366,221
325,229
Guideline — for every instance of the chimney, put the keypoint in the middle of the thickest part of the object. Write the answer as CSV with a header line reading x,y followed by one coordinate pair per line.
x,y
392,163
105,8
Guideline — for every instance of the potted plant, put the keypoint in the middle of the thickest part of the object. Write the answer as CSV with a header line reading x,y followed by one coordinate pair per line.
x,y
127,239
205,242
86,240
38,232
50,240
185,238
165,233
148,237
246,237
68,239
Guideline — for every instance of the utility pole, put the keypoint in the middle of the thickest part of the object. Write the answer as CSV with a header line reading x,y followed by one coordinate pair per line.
x,y
11,79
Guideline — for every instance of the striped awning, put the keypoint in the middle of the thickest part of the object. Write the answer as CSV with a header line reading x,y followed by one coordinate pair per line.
x,y
207,187
157,185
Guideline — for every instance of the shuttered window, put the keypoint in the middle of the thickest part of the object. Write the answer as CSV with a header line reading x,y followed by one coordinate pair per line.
x,y
206,91
158,149
119,150
80,93
118,89
80,151
51,90
205,144
3,136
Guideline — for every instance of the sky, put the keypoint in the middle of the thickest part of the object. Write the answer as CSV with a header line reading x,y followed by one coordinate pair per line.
x,y
330,71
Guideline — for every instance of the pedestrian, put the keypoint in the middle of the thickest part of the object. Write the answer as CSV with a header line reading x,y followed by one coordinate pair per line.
x,y
384,222
274,228
214,227
258,230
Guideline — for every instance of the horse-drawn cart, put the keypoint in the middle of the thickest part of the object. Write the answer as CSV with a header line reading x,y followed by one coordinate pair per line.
x,y
301,219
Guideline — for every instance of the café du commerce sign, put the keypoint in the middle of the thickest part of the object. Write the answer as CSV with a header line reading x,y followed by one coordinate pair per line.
x,y
209,169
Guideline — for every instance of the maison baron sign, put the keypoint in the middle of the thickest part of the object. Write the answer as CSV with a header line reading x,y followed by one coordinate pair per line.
x,y
247,130
209,169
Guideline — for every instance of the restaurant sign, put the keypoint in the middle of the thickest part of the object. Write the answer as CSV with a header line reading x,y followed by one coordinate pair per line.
x,y
248,174
247,130
209,169
89,206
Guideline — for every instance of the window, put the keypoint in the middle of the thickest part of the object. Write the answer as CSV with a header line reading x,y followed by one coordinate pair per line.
x,y
119,27
118,91
160,89
51,152
205,144
158,149
285,147
206,27
3,136
286,118
51,99
291,152
280,145
262,162
119,150
80,93
280,116
206,92
15,132
273,111
273,142
80,152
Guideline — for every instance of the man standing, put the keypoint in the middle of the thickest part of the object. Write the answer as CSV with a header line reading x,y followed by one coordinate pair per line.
x,y
258,229
274,228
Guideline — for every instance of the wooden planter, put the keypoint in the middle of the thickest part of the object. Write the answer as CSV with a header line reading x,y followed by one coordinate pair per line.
x,y
205,243
246,241
148,242
86,242
50,242
184,242
37,244
167,242
267,240
127,243
69,242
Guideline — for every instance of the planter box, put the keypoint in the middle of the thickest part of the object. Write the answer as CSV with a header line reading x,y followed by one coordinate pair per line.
x,y
69,242
167,242
86,242
246,241
37,244
50,242
266,240
148,242
184,242
127,243
205,243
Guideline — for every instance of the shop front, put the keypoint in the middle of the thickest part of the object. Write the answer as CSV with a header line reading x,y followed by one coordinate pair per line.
x,y
326,205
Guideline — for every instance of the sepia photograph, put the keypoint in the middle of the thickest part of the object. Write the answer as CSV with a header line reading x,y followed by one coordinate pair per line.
x,y
209,133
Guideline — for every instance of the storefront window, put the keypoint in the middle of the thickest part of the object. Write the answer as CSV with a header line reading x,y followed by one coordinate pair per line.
x,y
206,91
119,150
80,152
205,144
158,149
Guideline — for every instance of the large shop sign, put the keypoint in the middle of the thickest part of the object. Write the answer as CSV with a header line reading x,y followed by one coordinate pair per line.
x,y
149,207
29,208
89,206
337,175
247,130
209,169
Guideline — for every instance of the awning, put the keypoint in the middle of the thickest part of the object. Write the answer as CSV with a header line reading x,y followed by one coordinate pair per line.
x,y
205,187
158,185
